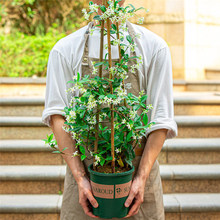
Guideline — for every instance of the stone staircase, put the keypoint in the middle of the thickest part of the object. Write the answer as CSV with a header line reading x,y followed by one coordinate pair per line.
x,y
32,178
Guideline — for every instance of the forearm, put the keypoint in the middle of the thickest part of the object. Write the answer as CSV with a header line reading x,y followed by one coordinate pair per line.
x,y
151,151
64,139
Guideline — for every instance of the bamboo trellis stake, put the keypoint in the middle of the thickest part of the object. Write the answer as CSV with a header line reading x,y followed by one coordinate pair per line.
x,y
120,57
100,75
111,89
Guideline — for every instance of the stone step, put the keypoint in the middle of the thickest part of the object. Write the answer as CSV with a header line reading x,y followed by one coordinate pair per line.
x,y
27,86
198,85
28,152
50,179
22,86
190,151
174,151
185,103
33,128
47,207
197,103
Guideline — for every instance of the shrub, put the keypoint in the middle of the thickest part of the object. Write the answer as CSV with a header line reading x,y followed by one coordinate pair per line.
x,y
24,56
37,16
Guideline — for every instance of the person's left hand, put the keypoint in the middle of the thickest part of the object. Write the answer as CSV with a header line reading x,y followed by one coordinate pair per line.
x,y
136,196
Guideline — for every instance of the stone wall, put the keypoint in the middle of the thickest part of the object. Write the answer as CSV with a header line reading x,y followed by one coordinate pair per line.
x,y
191,28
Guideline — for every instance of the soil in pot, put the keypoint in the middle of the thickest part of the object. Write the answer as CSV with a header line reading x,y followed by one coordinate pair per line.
x,y
108,169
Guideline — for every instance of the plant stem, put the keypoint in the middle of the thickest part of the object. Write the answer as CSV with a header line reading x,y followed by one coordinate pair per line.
x,y
111,88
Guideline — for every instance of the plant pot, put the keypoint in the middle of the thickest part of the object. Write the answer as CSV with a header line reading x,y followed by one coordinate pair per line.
x,y
111,191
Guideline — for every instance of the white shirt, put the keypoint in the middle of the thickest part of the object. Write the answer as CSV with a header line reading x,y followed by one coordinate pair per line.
x,y
155,74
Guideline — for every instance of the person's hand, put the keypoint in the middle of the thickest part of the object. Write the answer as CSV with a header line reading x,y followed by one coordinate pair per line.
x,y
86,198
136,196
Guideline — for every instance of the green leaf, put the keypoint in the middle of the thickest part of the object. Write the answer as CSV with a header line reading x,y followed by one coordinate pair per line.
x,y
144,98
64,148
136,107
99,64
139,9
56,152
83,157
71,81
143,105
78,77
129,161
82,149
145,119
108,158
103,8
129,39
129,136
50,138
91,3
97,17
102,162
114,27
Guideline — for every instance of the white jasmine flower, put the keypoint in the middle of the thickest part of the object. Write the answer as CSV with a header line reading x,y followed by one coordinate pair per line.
x,y
91,153
86,15
106,46
112,70
73,114
128,85
104,114
95,71
132,114
116,42
141,92
116,126
150,106
132,47
79,141
97,158
141,20
65,128
150,126
94,8
123,121
133,67
91,31
116,101
138,35
129,126
140,57
75,153
95,163
118,150
145,111
74,135
82,90
74,77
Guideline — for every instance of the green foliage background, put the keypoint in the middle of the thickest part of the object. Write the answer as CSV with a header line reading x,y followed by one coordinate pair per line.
x,y
30,28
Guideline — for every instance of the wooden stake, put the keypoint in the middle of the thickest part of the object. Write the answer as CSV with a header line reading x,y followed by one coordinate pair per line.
x,y
100,75
111,88
120,57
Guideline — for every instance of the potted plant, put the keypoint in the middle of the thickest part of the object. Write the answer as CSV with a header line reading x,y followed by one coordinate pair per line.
x,y
106,122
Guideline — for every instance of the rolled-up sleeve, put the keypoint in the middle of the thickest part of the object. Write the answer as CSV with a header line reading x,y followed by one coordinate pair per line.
x,y
160,93
58,73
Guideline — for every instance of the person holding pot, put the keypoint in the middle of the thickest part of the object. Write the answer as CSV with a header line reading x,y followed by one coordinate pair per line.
x,y
73,54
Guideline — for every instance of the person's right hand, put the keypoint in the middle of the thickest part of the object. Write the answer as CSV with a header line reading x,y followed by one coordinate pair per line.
x,y
86,198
